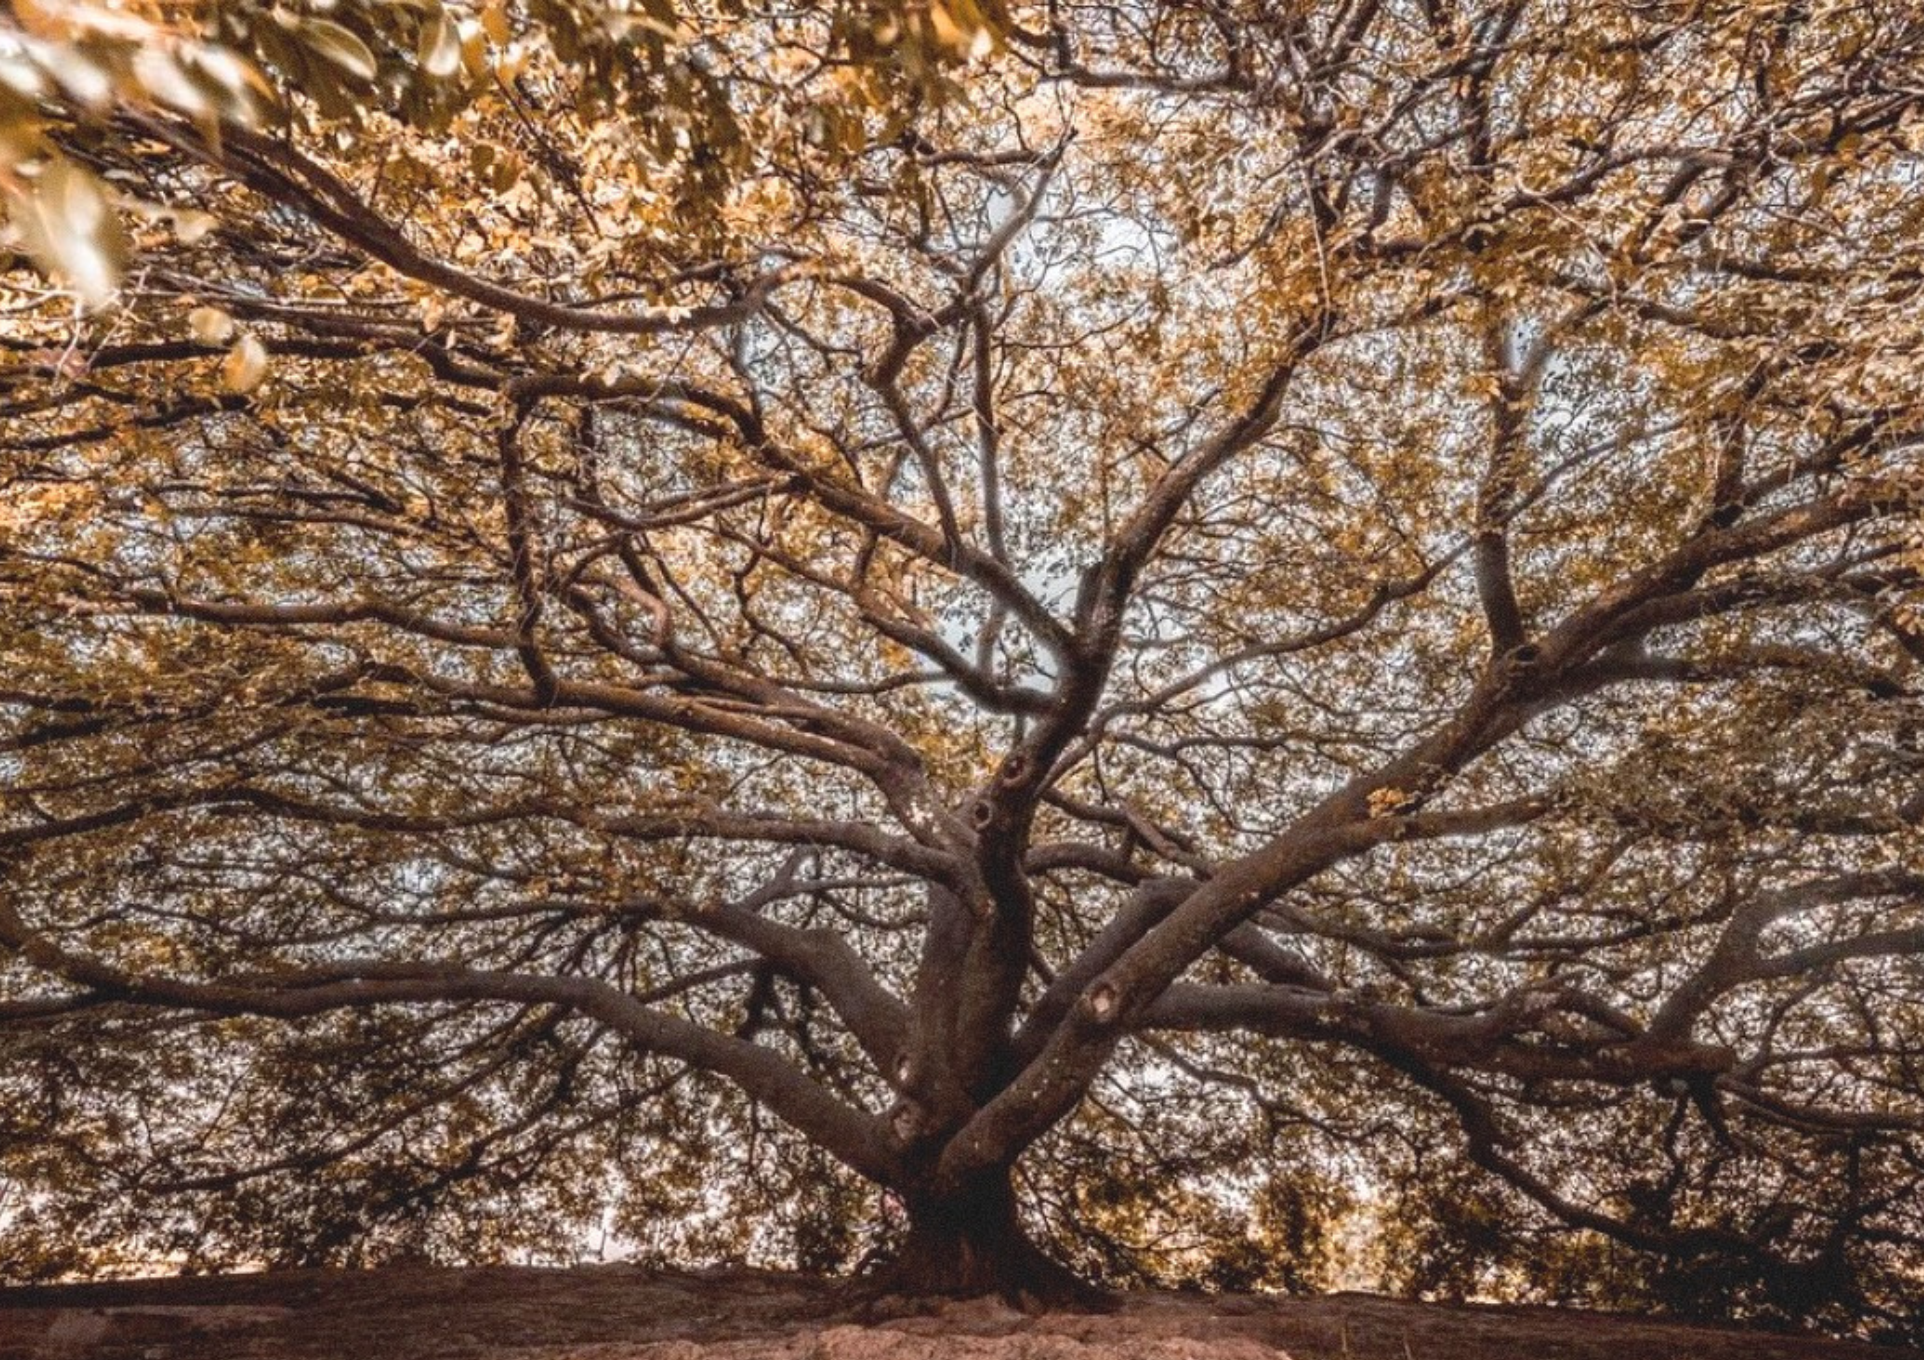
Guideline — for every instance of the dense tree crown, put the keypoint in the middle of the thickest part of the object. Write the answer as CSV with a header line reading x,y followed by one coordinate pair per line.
x,y
1218,634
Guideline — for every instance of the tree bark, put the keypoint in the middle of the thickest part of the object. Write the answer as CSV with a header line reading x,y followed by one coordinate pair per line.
x,y
972,1242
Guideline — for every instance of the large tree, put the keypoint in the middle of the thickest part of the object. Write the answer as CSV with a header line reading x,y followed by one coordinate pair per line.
x,y
1271,596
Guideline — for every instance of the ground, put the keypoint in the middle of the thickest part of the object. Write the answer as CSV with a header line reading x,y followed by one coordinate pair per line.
x,y
624,1313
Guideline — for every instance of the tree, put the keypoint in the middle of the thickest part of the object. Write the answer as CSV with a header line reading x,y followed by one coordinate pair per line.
x,y
1047,596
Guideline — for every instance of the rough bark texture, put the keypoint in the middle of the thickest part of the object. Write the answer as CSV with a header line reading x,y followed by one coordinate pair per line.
x,y
972,1244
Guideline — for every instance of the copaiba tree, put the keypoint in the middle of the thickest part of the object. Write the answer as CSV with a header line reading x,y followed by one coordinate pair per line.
x,y
1131,626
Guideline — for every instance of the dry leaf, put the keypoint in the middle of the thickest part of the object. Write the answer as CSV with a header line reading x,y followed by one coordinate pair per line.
x,y
245,365
210,325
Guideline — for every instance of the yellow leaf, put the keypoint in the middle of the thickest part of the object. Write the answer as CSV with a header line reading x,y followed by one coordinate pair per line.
x,y
162,77
340,46
440,49
245,365
68,228
190,225
210,325
1384,802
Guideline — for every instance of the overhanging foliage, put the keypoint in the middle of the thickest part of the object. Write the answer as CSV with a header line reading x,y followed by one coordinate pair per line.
x,y
1289,600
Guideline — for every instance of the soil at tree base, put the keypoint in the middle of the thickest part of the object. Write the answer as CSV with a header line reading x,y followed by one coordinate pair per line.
x,y
626,1313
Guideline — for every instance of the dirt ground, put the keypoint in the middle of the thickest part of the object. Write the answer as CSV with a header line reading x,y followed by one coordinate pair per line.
x,y
624,1313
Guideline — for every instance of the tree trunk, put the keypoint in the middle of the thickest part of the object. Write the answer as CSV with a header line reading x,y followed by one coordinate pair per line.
x,y
973,1243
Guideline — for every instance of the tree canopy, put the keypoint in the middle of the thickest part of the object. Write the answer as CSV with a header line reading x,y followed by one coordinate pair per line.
x,y
1161,628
